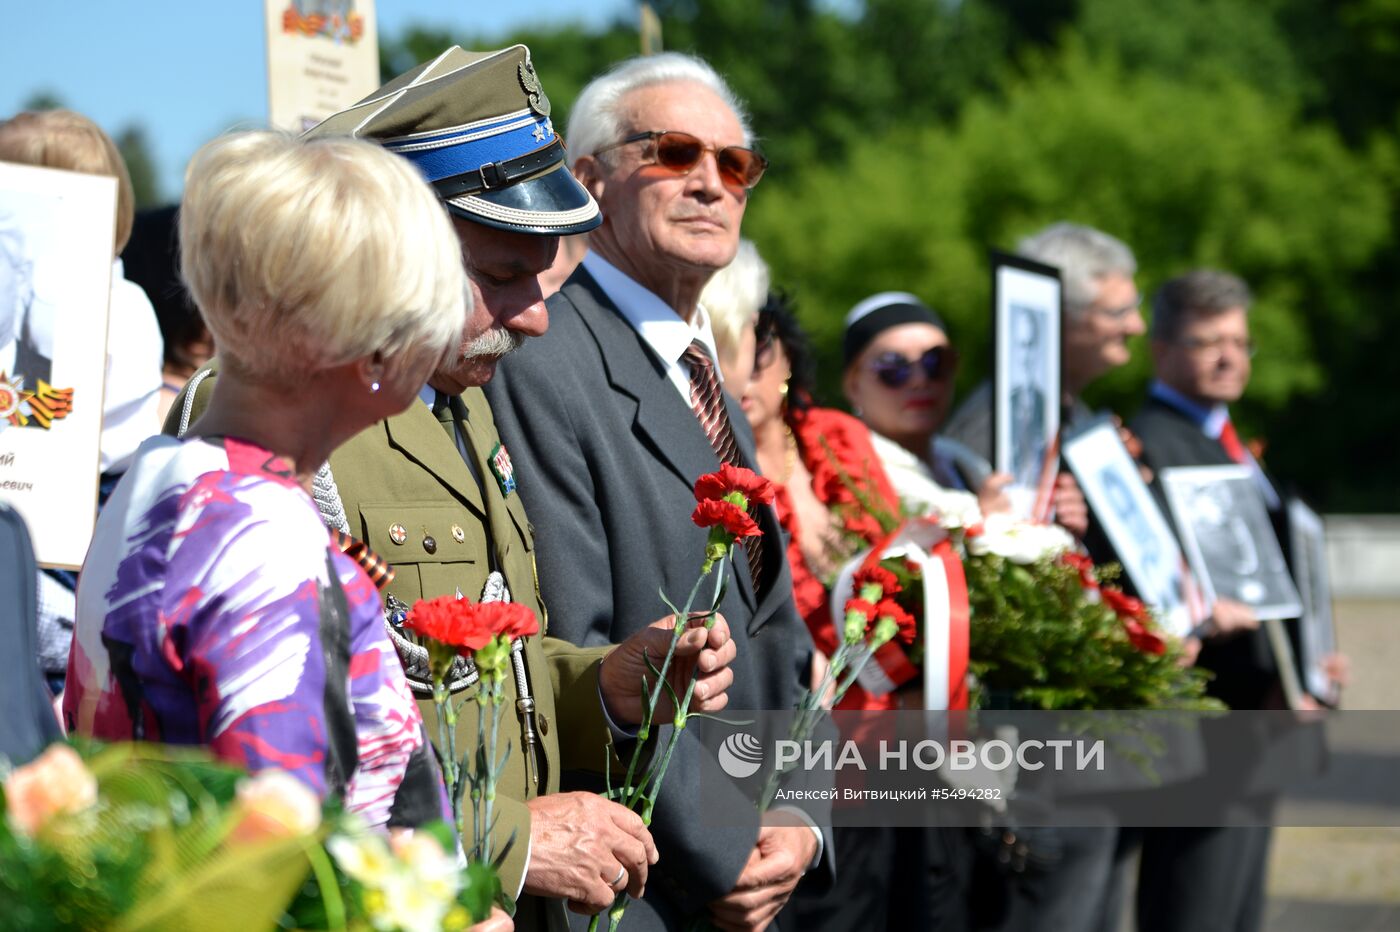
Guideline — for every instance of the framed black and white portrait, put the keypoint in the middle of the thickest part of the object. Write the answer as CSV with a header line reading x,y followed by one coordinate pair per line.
x,y
1229,540
56,233
1317,633
1026,305
1124,507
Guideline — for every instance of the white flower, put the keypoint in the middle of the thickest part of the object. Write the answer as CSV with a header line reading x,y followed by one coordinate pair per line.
x,y
952,508
432,868
1019,541
414,880
364,857
410,906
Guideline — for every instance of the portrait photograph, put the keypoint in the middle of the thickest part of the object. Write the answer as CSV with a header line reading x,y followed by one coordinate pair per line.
x,y
1229,540
1317,632
56,232
1141,537
1026,416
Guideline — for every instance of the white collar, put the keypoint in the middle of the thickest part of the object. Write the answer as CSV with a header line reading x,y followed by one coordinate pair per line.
x,y
659,326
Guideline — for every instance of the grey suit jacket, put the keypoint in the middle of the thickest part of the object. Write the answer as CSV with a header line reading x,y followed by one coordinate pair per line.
x,y
606,455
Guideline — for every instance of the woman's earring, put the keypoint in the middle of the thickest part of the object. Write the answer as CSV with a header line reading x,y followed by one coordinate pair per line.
x,y
784,390
374,387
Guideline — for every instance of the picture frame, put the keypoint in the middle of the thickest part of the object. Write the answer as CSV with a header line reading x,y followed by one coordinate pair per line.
x,y
1224,527
56,235
1140,534
1317,632
1027,312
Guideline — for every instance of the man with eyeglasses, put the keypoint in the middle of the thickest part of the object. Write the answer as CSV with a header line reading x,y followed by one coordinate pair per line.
x,y
1202,352
615,412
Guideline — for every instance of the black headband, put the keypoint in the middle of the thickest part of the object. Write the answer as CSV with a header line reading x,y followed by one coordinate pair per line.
x,y
873,323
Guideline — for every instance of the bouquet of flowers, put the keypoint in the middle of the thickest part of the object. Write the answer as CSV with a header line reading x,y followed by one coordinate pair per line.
x,y
1046,633
135,837
1045,630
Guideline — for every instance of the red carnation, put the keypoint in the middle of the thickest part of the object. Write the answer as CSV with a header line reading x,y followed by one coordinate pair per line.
x,y
717,513
1123,605
716,485
877,576
1085,566
449,620
860,607
510,619
908,626
1144,640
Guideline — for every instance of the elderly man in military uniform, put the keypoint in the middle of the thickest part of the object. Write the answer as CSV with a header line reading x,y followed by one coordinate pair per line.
x,y
433,490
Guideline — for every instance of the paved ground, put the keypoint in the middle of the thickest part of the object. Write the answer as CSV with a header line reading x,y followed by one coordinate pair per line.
x,y
1346,879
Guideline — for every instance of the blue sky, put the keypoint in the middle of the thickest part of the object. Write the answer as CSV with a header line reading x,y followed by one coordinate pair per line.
x,y
190,70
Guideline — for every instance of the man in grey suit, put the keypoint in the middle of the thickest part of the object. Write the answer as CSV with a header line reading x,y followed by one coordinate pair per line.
x,y
611,417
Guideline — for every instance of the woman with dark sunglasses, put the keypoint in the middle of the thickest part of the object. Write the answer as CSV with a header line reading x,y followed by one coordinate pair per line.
x,y
899,380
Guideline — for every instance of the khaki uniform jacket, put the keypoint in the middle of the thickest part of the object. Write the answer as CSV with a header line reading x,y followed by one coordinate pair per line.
x,y
405,478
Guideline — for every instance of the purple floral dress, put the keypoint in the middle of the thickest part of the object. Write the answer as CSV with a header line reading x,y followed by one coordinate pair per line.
x,y
213,610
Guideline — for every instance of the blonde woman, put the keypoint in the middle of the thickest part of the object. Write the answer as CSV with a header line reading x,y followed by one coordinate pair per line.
x,y
213,607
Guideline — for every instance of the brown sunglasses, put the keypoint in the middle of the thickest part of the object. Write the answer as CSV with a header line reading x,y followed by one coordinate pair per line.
x,y
681,152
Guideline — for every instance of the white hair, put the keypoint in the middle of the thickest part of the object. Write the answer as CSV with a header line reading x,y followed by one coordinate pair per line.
x,y
1084,257
304,254
596,118
734,296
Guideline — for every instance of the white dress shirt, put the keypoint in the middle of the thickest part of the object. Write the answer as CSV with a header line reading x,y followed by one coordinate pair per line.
x,y
660,327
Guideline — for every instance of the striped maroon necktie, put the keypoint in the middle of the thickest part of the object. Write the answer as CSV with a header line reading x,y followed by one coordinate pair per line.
x,y
707,399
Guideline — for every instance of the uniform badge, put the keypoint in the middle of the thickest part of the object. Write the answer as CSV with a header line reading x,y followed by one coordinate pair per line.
x,y
534,92
502,469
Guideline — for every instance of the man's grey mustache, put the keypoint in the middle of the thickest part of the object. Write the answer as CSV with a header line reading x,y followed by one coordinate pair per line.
x,y
495,342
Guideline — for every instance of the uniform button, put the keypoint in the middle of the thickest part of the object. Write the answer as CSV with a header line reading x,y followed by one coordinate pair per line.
x,y
398,533
544,725
429,544
458,534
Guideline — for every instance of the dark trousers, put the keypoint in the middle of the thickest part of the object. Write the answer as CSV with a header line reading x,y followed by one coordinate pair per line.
x,y
1203,879
889,878
1060,885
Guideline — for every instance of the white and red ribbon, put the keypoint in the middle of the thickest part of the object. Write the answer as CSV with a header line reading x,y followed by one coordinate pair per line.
x,y
924,544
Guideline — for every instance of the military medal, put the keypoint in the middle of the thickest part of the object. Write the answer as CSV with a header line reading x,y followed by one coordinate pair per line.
x,y
502,469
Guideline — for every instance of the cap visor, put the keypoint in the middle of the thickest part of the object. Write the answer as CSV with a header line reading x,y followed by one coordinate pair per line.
x,y
552,204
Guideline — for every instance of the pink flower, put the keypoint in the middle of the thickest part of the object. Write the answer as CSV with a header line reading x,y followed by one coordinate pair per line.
x,y
274,804
55,783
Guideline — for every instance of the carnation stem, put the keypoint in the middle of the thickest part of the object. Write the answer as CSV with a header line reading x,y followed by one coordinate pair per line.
x,y
489,790
447,738
632,795
478,822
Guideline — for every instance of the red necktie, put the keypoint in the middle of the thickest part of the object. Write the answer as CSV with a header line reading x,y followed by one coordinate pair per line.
x,y
1230,440
707,399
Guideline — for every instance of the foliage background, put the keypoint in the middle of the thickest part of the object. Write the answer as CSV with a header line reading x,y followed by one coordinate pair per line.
x,y
908,136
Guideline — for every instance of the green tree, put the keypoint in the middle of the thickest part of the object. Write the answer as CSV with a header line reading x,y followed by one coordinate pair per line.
x,y
1145,157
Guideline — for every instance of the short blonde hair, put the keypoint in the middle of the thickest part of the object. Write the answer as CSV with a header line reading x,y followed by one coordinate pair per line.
x,y
70,141
304,254
734,296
